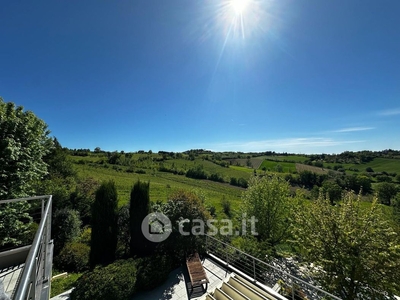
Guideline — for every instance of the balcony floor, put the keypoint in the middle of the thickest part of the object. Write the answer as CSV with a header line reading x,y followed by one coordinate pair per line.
x,y
9,278
178,287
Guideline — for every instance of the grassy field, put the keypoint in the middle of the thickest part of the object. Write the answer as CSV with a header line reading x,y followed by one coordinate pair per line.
x,y
302,167
294,158
389,165
273,166
255,162
163,184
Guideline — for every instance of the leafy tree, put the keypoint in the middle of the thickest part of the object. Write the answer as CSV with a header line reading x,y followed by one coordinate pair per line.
x,y
197,172
358,183
182,208
383,178
14,224
268,199
242,182
386,192
308,178
24,142
139,208
60,188
83,197
113,158
66,227
333,190
104,225
356,248
58,163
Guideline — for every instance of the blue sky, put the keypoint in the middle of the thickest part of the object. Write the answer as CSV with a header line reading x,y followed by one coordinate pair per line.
x,y
305,76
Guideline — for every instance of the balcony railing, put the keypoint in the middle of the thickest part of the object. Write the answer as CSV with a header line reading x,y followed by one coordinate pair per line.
x,y
34,280
263,273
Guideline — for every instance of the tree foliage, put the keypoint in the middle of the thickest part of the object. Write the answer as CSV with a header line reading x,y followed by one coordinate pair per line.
x,y
66,227
182,209
139,208
58,163
24,142
267,198
83,198
124,232
14,224
74,257
104,225
356,248
386,192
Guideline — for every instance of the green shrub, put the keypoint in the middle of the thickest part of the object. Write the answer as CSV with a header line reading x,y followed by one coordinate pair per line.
x,y
242,182
216,177
197,173
65,228
85,236
153,271
74,257
383,178
116,281
212,210
226,206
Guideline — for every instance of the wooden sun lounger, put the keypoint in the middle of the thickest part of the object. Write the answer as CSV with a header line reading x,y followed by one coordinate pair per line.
x,y
196,271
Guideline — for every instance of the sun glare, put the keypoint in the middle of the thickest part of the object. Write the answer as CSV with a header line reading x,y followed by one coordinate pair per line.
x,y
239,6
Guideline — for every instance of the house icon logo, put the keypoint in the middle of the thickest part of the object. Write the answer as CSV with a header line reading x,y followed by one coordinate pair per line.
x,y
156,227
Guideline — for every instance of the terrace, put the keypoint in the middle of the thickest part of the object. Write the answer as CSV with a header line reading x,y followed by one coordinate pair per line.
x,y
26,271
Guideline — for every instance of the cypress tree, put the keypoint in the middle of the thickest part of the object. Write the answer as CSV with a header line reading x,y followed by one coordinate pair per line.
x,y
138,210
104,225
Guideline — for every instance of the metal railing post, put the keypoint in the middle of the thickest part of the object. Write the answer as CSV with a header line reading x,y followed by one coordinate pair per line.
x,y
32,292
254,270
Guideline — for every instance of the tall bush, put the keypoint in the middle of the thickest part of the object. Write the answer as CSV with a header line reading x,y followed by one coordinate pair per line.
x,y
104,225
139,209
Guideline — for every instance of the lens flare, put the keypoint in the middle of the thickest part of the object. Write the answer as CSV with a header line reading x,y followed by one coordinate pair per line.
x,y
239,6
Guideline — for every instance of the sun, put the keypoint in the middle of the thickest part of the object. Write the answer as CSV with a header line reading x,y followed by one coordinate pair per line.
x,y
239,6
